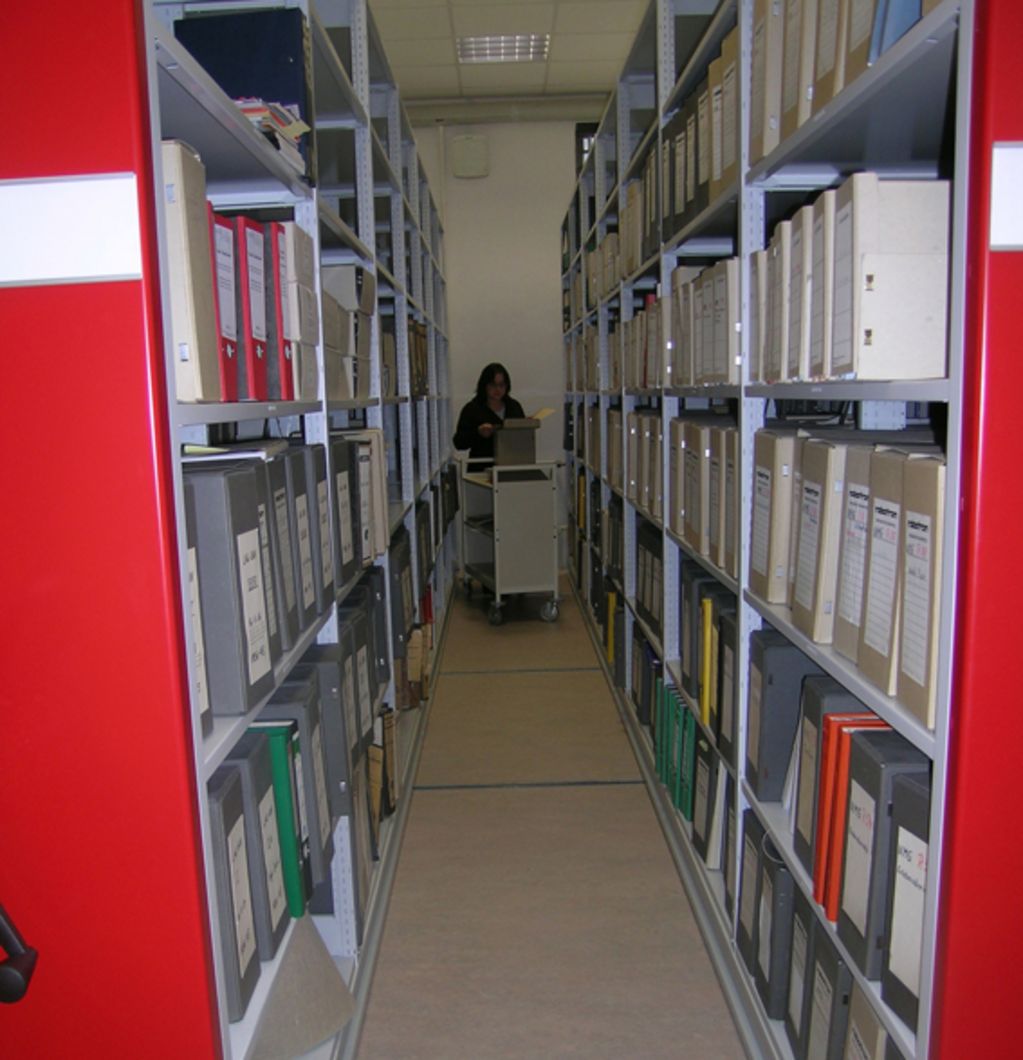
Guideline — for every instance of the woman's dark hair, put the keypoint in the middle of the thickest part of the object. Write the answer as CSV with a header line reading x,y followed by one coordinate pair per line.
x,y
487,376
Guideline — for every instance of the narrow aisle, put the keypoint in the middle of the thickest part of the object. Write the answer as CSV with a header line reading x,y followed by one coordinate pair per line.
x,y
536,910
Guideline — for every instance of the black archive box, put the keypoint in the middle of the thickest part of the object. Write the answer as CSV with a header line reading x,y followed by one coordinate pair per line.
x,y
749,889
774,930
728,686
200,686
251,757
402,595
797,1005
829,988
320,524
376,585
282,551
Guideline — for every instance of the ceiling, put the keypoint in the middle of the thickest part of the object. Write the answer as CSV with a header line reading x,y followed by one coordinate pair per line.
x,y
590,40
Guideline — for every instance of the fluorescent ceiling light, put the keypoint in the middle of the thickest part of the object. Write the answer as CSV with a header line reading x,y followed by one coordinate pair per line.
x,y
505,48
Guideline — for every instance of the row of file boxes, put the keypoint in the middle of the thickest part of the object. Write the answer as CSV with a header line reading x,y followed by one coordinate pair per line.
x,y
705,315
613,538
245,321
646,672
704,485
849,536
644,446
649,574
855,286
640,361
806,51
613,627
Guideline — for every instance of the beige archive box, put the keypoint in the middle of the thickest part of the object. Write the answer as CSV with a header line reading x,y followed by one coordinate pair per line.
x,y
852,550
772,513
729,109
643,462
715,93
733,501
717,493
632,442
614,448
765,103
822,266
758,314
778,277
305,373
725,364
193,312
697,486
861,14
796,497
923,500
338,348
797,347
829,56
797,64
699,327
678,369
890,279
677,477
820,516
656,476
878,650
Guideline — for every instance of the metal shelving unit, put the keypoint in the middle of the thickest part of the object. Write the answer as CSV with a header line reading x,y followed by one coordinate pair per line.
x,y
907,116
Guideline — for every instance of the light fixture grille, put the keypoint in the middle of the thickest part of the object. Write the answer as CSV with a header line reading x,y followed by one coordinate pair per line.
x,y
505,48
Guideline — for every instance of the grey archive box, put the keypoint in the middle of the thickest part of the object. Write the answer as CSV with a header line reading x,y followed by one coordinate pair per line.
x,y
749,888
239,662
200,685
822,695
797,1004
515,442
376,582
876,757
774,930
269,560
728,685
300,516
402,599
352,616
234,896
320,524
283,552
251,757
776,671
347,539
828,988
298,700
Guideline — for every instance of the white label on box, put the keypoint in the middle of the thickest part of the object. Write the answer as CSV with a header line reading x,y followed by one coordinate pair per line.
x,y
272,857
1006,222
717,107
766,901
820,1013
701,804
809,539
241,896
303,809
223,241
753,719
200,690
842,304
859,853
907,928
250,577
884,560
326,553
807,779
305,551
729,117
861,21
797,972
282,268
916,598
284,539
322,807
344,517
827,37
790,73
268,571
854,553
728,693
257,283
750,866
855,1046
760,558
362,665
351,720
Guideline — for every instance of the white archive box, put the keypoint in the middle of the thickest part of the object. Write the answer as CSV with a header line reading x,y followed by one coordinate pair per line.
x,y
765,102
697,485
822,266
852,551
796,500
820,514
778,276
726,363
729,108
676,476
758,314
772,513
679,368
829,60
890,279
797,64
703,317
797,347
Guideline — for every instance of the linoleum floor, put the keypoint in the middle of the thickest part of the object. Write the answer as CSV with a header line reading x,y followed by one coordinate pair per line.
x,y
536,912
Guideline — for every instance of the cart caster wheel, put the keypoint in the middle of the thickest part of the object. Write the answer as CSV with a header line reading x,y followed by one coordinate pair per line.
x,y
549,611
495,614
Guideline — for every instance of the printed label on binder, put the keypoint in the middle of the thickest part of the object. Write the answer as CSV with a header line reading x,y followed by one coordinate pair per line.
x,y
241,896
250,573
272,857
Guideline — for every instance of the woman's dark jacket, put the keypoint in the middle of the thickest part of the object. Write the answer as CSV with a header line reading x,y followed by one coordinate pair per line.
x,y
475,413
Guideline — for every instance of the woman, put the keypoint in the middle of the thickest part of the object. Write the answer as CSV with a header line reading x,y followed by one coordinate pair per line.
x,y
485,413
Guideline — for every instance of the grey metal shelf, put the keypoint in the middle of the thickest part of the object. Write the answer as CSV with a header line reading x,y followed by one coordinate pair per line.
x,y
339,245
336,98
187,414
937,390
349,404
711,233
720,26
721,391
710,567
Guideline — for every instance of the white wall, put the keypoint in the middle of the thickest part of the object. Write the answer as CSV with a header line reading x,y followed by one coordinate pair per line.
x,y
502,251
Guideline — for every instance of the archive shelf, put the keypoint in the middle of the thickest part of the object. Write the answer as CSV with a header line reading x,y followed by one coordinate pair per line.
x,y
907,116
187,414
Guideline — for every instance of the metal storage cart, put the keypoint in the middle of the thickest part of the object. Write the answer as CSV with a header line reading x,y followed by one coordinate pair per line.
x,y
510,534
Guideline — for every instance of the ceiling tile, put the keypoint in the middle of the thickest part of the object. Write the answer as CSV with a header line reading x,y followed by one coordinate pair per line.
x,y
496,79
476,21
415,53
599,16
590,47
582,77
420,23
428,82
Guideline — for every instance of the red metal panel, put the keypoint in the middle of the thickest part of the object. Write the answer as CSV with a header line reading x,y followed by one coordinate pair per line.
x,y
977,972
101,865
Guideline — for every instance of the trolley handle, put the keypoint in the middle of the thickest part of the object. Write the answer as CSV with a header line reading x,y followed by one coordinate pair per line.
x,y
17,968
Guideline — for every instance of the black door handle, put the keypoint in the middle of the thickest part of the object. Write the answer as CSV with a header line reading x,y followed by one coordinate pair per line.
x,y
16,970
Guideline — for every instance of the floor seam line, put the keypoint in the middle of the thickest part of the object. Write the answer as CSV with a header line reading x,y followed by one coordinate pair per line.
x,y
528,670
510,784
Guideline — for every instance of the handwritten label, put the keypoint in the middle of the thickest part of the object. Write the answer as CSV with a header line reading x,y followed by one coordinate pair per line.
x,y
253,600
859,854
907,928
241,896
